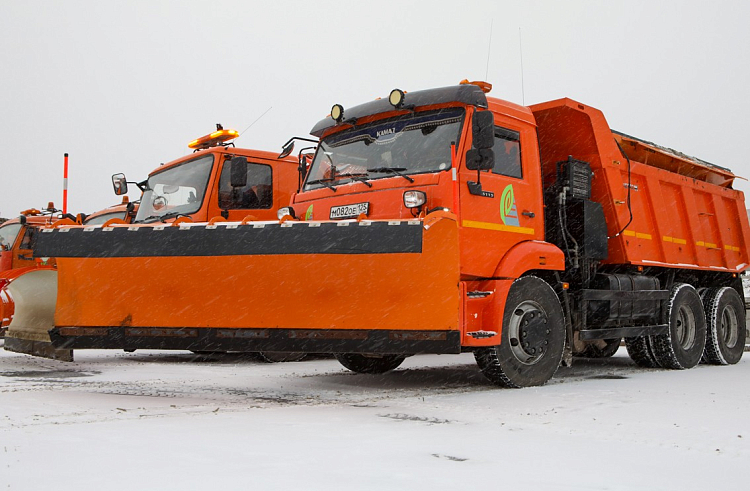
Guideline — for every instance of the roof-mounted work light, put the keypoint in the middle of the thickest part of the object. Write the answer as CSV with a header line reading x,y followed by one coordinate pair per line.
x,y
396,98
337,112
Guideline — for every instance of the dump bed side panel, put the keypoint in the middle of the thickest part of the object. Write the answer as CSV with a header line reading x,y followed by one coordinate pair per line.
x,y
677,220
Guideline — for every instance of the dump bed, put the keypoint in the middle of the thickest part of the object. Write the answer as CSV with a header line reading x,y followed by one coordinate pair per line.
x,y
684,212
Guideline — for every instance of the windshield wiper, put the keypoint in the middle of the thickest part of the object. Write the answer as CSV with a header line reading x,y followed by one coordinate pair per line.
x,y
392,170
325,182
162,218
357,177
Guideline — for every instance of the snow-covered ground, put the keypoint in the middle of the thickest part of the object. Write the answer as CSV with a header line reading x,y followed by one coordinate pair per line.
x,y
174,420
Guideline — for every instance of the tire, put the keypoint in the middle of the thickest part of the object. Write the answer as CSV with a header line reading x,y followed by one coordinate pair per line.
x,y
683,344
725,326
640,352
370,363
532,339
594,351
280,356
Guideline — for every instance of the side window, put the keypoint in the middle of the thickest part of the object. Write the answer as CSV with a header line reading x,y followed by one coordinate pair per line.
x,y
28,238
507,153
257,194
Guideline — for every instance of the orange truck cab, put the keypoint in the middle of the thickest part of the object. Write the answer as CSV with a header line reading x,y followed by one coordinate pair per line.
x,y
216,181
124,211
200,186
17,237
441,221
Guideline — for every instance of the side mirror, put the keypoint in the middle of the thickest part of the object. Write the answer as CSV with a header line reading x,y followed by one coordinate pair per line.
x,y
238,172
483,130
120,184
480,159
286,149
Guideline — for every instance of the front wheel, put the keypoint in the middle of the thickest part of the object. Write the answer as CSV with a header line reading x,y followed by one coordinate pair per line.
x,y
726,326
532,338
369,363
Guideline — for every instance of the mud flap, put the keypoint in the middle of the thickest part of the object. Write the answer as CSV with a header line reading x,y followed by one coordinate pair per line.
x,y
35,295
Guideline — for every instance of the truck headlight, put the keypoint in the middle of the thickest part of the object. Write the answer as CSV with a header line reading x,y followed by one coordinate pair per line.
x,y
287,210
414,199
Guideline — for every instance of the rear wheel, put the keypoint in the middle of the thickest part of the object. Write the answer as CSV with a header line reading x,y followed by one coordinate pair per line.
x,y
725,326
640,352
682,346
532,340
605,349
369,363
280,356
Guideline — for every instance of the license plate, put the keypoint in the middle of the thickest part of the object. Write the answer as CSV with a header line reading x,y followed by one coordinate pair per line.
x,y
349,211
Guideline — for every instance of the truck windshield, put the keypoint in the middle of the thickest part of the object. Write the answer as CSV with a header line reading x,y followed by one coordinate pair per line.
x,y
176,191
410,144
98,220
8,235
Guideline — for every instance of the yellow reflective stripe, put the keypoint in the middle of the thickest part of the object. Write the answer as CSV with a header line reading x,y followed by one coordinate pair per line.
x,y
637,235
732,248
709,245
674,240
497,226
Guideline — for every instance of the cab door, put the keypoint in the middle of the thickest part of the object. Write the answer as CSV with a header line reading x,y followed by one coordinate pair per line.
x,y
23,254
9,233
256,198
509,209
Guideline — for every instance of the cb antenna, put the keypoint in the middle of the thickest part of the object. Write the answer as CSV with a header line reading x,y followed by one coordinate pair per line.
x,y
256,120
489,47
520,47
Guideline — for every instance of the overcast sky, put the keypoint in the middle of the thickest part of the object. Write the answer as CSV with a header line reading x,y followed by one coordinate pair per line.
x,y
124,86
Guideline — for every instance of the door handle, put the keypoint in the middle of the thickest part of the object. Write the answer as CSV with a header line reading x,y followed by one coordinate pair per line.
x,y
527,213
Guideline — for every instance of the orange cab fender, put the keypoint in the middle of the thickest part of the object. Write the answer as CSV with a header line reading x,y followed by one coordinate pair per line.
x,y
528,256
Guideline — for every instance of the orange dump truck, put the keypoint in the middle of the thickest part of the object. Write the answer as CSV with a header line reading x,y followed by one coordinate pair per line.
x,y
440,221
216,181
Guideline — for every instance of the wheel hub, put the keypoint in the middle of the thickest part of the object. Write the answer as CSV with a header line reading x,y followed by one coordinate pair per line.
x,y
729,327
685,328
529,333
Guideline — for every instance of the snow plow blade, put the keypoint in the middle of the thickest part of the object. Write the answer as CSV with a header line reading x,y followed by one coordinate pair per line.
x,y
35,292
315,287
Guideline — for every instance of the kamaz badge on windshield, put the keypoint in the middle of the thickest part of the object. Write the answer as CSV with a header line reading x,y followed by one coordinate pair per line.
x,y
349,211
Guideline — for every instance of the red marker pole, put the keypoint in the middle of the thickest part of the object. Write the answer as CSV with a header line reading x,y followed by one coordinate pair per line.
x,y
65,186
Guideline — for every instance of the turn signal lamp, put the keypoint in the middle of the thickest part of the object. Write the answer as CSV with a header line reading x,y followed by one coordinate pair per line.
x,y
485,86
414,199
286,211
396,98
337,112
213,139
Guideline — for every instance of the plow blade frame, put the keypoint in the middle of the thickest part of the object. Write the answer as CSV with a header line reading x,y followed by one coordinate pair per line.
x,y
36,292
316,287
